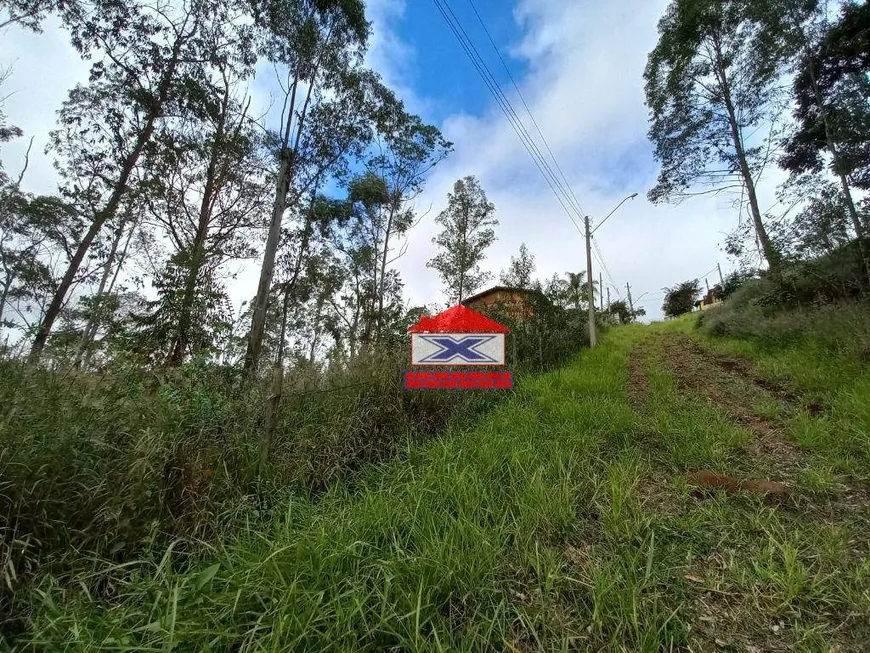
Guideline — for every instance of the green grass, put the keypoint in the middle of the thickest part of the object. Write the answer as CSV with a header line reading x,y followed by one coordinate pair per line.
x,y
559,522
823,354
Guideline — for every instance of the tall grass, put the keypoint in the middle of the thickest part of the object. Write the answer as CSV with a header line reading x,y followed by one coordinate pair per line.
x,y
413,555
117,465
559,522
823,351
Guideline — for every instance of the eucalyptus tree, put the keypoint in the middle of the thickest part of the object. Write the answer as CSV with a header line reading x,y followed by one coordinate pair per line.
x,y
145,54
519,272
822,225
206,189
467,231
32,230
831,113
308,270
407,150
318,46
711,82
382,211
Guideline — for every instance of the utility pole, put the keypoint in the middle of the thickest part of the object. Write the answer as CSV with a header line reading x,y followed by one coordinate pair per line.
x,y
708,285
589,277
608,298
630,303
721,280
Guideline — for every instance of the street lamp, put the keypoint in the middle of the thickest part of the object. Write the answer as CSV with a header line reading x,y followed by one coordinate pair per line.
x,y
593,340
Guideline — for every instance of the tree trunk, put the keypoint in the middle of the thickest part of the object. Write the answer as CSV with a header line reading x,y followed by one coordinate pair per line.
x,y
381,285
273,403
108,211
844,181
315,339
197,255
89,352
276,389
267,272
10,278
96,315
463,257
774,258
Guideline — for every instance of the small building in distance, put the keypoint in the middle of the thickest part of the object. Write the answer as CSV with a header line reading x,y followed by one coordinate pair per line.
x,y
708,300
518,303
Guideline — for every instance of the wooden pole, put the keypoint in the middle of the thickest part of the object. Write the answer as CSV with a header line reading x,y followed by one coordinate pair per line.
x,y
589,277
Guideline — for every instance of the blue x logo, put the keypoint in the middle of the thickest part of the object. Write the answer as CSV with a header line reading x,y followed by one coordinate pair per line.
x,y
461,350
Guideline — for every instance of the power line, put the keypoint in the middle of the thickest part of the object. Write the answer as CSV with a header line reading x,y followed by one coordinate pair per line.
x,y
479,64
528,110
489,79
600,258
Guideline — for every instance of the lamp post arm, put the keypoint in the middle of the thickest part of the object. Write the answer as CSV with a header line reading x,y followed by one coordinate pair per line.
x,y
630,197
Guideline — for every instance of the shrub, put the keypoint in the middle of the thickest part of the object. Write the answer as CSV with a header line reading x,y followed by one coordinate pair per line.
x,y
118,464
547,336
836,277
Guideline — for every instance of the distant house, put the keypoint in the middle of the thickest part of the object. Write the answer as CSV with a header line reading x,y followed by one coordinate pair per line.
x,y
707,301
516,302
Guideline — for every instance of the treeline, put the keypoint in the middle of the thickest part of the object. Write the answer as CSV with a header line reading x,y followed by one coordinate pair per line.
x,y
735,88
170,174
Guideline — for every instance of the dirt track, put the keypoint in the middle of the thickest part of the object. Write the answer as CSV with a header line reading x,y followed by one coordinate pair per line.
x,y
733,386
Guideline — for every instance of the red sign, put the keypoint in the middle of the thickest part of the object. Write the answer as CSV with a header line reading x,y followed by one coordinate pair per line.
x,y
459,336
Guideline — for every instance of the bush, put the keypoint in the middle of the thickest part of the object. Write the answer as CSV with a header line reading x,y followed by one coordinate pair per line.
x,y
119,464
779,306
843,329
547,336
734,281
836,277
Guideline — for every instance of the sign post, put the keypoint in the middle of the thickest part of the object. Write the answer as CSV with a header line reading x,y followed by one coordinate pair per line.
x,y
458,337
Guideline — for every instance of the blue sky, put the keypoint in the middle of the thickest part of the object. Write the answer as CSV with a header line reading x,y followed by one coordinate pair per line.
x,y
579,64
438,70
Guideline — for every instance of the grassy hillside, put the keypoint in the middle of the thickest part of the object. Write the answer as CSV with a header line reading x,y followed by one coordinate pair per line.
x,y
561,521
823,351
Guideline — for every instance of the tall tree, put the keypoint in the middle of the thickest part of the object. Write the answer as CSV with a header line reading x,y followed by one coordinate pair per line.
x,y
206,192
319,43
306,275
709,81
147,51
32,231
405,150
822,226
98,307
467,224
831,110
519,272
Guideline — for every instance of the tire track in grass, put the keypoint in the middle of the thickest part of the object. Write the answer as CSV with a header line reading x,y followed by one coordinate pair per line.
x,y
763,408
755,577
726,387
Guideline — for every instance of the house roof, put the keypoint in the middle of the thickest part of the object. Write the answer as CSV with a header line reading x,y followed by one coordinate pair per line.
x,y
459,319
489,291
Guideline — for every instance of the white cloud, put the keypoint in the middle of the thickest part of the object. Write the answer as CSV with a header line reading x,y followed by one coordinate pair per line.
x,y
585,88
